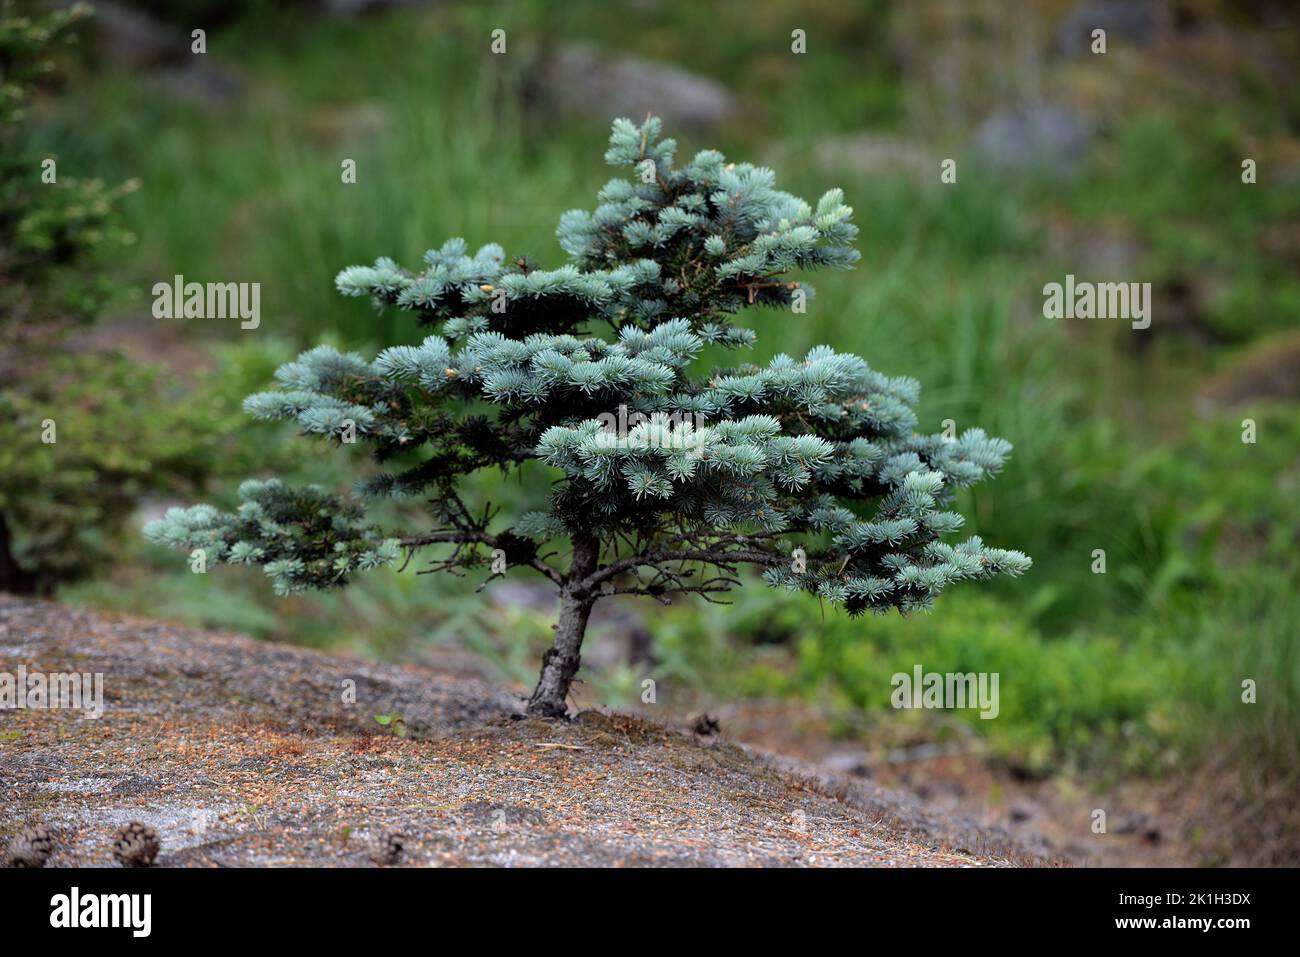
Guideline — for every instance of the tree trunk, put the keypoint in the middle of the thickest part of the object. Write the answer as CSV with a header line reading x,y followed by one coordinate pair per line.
x,y
561,662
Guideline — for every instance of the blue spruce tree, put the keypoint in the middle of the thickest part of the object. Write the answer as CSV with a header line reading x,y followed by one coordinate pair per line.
x,y
667,481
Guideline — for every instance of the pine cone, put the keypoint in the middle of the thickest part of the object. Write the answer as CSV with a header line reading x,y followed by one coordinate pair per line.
x,y
136,845
705,725
387,848
31,847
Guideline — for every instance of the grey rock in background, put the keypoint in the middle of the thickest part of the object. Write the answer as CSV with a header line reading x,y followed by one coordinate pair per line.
x,y
126,37
869,153
579,78
1135,20
131,40
1051,138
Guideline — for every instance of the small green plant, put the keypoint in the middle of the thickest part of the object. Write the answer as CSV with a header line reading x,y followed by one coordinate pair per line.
x,y
394,722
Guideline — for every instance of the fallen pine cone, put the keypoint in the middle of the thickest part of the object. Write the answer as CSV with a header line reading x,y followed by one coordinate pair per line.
x,y
705,725
387,848
31,847
136,845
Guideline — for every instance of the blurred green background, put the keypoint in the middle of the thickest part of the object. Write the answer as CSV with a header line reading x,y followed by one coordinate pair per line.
x,y
1122,166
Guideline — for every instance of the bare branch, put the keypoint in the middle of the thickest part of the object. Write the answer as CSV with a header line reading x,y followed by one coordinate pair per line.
x,y
475,536
661,595
723,558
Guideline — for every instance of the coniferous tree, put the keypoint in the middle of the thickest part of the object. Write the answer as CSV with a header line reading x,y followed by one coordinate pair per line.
x,y
667,481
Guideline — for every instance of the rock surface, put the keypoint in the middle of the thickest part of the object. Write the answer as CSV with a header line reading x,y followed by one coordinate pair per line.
x,y
245,753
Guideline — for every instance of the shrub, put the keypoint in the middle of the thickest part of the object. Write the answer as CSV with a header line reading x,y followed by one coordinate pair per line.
x,y
666,481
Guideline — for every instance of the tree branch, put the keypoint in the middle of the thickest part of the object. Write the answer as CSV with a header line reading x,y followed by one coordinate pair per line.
x,y
476,536
726,559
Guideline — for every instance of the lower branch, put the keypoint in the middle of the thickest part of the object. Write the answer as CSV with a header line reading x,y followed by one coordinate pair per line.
x,y
471,536
721,557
